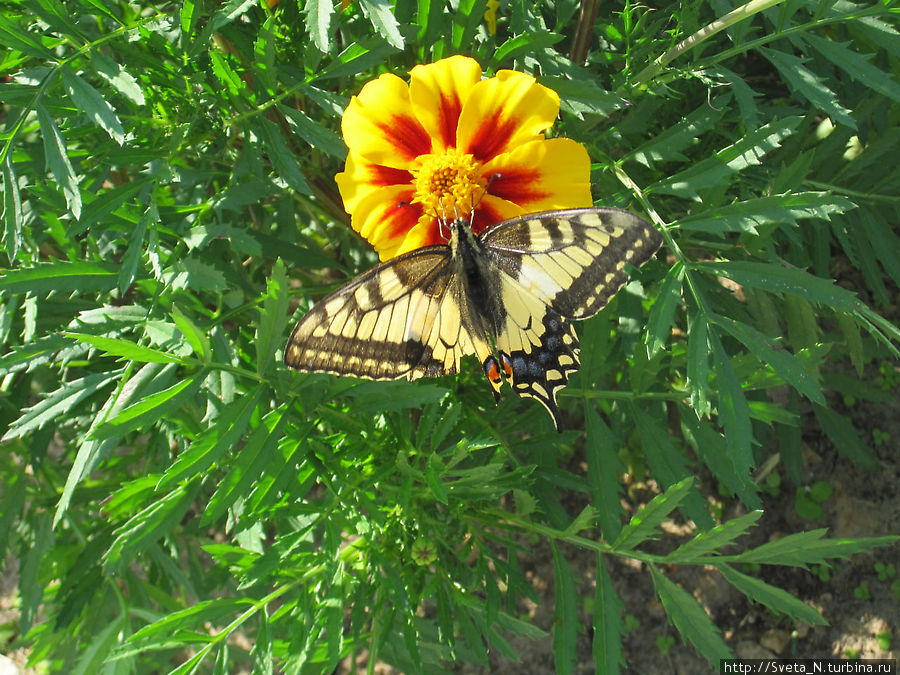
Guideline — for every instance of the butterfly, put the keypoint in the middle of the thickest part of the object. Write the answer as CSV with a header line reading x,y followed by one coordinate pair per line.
x,y
508,295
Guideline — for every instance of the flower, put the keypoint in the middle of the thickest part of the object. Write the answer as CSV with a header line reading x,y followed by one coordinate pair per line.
x,y
453,144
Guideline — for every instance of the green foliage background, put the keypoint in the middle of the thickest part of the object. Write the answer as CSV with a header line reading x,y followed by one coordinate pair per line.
x,y
168,205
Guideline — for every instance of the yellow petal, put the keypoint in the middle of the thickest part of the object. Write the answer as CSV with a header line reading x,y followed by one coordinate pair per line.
x,y
385,218
379,124
504,112
360,178
542,175
438,91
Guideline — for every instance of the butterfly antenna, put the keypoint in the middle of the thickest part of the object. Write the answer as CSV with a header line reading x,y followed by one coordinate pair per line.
x,y
484,191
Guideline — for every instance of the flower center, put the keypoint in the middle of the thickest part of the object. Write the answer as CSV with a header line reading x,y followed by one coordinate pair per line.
x,y
447,183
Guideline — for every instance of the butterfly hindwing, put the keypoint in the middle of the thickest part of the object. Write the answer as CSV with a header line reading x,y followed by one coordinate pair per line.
x,y
400,319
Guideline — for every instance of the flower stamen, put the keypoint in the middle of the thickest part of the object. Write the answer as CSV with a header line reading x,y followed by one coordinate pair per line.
x,y
447,182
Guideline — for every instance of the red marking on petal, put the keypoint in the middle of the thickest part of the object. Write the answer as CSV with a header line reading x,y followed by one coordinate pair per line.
x,y
484,217
448,119
491,138
407,135
387,175
401,219
518,186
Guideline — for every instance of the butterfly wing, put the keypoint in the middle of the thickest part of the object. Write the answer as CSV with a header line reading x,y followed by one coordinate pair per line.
x,y
400,319
551,268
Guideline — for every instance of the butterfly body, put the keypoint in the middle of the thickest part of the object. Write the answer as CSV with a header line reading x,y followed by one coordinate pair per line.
x,y
507,295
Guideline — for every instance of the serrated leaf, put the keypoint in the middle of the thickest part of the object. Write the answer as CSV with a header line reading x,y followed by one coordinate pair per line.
x,y
692,622
565,614
783,362
774,598
668,464
845,437
716,171
808,548
64,399
149,410
609,629
643,524
273,317
698,364
525,43
604,469
90,102
16,36
659,323
58,160
856,65
747,215
117,77
282,160
197,615
248,465
711,540
196,338
222,436
809,86
317,135
382,18
734,413
318,22
666,146
135,247
126,349
12,210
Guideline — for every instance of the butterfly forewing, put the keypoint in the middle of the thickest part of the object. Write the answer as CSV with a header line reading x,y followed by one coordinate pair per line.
x,y
386,323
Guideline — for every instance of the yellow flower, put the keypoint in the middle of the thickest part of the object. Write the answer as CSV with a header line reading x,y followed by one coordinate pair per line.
x,y
453,144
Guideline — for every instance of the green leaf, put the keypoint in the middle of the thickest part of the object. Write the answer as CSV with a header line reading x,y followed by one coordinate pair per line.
x,y
609,630
747,215
698,364
806,84
179,622
784,363
734,413
249,465
716,171
704,543
60,276
644,524
659,324
317,135
273,317
136,247
565,614
318,22
690,619
667,145
856,65
117,77
149,410
775,599
808,548
382,18
282,160
222,436
12,210
126,349
58,161
604,469
92,104
56,403
525,43
845,438
195,337
15,36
